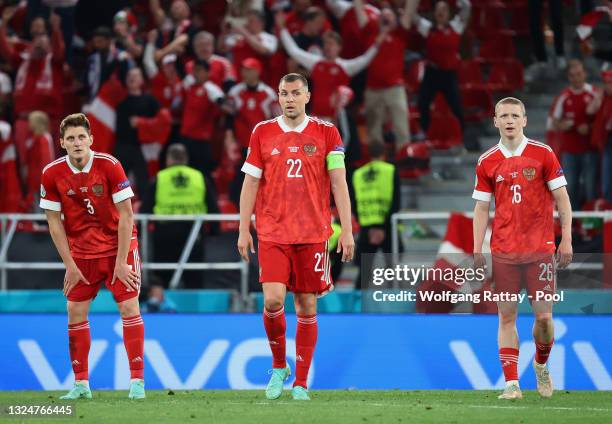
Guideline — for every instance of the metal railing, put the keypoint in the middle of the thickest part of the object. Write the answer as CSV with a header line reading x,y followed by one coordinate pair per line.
x,y
8,228
444,216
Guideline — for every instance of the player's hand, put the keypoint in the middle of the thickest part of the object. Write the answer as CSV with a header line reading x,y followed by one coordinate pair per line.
x,y
583,129
280,20
566,124
152,36
72,277
564,253
245,244
124,273
480,261
55,21
346,245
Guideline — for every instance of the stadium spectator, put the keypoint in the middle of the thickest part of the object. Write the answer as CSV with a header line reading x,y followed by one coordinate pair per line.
x,y
221,72
157,302
166,83
301,11
106,60
385,94
128,150
11,199
39,73
601,135
249,40
353,23
125,35
177,26
540,68
578,156
327,72
203,102
238,12
252,101
310,37
375,197
442,42
179,190
39,10
39,152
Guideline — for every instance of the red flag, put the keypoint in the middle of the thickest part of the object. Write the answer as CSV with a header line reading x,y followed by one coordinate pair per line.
x,y
102,116
153,134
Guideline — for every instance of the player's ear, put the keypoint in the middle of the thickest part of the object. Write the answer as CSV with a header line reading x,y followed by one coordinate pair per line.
x,y
62,145
495,124
91,139
524,121
307,96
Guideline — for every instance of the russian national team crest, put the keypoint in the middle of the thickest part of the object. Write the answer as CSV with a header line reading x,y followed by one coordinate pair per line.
x,y
98,189
529,173
310,149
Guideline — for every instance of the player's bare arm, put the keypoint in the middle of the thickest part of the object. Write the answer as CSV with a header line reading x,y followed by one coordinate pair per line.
x,y
124,272
247,203
481,220
346,243
564,251
58,234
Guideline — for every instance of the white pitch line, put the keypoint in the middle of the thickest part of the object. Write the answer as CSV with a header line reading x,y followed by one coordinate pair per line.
x,y
560,408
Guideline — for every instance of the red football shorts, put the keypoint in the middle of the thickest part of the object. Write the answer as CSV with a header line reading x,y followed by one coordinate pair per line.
x,y
539,276
303,268
100,270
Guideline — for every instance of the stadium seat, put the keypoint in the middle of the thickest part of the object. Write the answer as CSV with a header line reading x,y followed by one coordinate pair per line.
x,y
470,74
444,131
477,104
506,76
413,160
488,21
496,48
414,75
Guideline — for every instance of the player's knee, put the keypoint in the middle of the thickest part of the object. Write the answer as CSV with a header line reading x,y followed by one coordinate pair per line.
x,y
543,319
129,308
507,318
273,303
77,311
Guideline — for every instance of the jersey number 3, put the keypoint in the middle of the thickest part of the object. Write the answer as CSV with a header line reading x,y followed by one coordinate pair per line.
x,y
295,168
89,206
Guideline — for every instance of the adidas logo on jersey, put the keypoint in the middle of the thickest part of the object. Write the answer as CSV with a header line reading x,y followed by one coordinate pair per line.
x,y
137,359
275,151
299,358
75,362
547,287
70,192
499,179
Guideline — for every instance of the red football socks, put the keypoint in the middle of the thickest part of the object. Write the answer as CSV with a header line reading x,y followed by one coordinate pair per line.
x,y
305,341
79,341
543,351
509,360
275,324
133,339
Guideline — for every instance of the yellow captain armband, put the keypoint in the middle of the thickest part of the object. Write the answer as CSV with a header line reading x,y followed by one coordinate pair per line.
x,y
335,161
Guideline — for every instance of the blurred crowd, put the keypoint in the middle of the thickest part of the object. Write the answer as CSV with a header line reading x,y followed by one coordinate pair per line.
x,y
202,73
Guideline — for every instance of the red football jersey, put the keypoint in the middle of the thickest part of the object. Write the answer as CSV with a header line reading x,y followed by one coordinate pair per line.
x,y
572,105
521,184
387,68
87,198
292,204
252,107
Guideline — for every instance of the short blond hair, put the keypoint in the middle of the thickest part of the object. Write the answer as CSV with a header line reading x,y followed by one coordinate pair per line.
x,y
74,120
38,122
511,101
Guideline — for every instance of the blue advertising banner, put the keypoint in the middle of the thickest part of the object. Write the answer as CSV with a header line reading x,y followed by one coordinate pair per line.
x,y
353,351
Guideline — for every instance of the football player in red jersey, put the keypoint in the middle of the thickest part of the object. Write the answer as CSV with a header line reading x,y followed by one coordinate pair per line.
x,y
525,178
292,162
97,243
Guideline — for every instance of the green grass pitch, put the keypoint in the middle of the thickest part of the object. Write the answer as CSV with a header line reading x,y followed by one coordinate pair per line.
x,y
326,406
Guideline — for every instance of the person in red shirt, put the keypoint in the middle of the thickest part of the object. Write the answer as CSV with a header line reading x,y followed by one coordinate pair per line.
x,y
221,72
292,162
166,83
578,156
442,42
353,22
329,72
203,101
252,101
385,95
250,40
526,180
97,243
601,136
39,152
